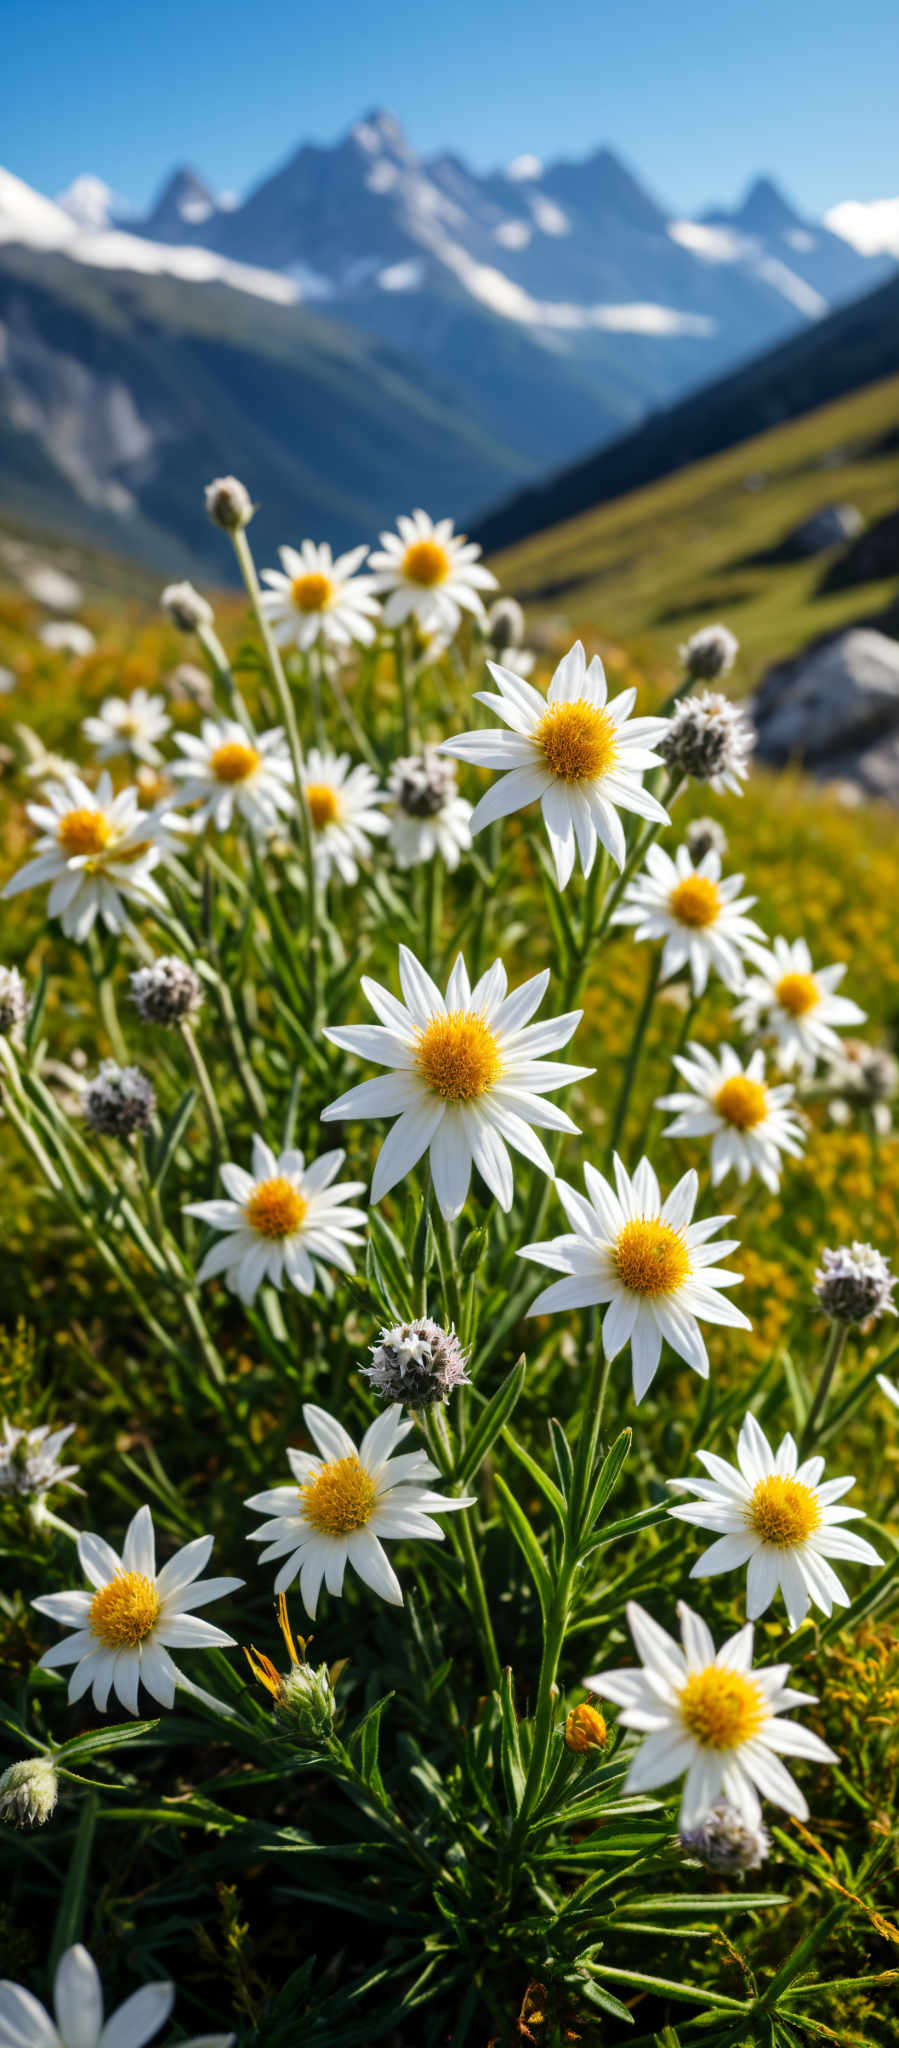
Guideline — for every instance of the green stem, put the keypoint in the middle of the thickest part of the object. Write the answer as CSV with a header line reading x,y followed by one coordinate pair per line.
x,y
402,677
638,1039
436,1430
207,1092
553,1640
239,1052
212,647
832,1358
646,839
303,818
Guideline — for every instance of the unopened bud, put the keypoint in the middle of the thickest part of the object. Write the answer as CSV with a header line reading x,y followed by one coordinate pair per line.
x,y
28,1792
186,607
229,504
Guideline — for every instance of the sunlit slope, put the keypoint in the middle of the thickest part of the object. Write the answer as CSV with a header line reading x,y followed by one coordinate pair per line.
x,y
659,561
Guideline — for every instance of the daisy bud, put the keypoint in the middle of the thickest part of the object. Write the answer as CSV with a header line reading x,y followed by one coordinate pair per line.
x,y
119,1101
14,1002
585,1729
187,680
703,836
709,653
305,1703
28,1792
870,1073
505,624
709,739
422,784
165,991
229,504
724,1842
186,608
417,1363
854,1284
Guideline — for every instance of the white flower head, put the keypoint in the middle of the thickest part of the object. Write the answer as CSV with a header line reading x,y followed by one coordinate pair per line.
x,y
97,851
78,2012
228,770
429,573
429,816
313,597
645,1258
133,1616
580,756
468,1079
709,1714
748,1121
343,813
701,917
778,1517
29,1460
341,1504
710,740
67,636
797,1004
129,725
281,1222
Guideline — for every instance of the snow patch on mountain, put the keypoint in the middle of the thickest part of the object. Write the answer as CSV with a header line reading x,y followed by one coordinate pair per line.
x,y
89,201
523,167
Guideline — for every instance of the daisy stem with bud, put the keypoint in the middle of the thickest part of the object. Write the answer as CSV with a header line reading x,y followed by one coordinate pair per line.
x,y
221,668
207,1092
437,1433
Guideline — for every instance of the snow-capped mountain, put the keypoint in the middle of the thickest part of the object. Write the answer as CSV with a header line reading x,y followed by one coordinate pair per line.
x,y
504,324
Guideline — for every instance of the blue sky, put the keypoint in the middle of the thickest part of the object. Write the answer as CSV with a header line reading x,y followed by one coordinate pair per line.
x,y
698,97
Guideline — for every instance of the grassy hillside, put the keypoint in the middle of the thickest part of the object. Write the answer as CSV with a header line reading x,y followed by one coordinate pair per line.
x,y
657,563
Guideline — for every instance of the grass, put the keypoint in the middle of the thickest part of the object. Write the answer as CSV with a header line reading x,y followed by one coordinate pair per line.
x,y
652,566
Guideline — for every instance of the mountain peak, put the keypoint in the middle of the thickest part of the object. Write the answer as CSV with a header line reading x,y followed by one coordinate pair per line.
x,y
764,209
380,130
88,201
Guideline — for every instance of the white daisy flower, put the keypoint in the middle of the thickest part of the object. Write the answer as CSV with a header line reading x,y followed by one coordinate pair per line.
x,y
78,2012
469,1078
774,1515
228,769
126,1626
797,1003
313,597
700,917
343,813
281,1222
96,850
342,1503
129,725
648,1261
429,573
582,758
429,815
748,1122
709,1714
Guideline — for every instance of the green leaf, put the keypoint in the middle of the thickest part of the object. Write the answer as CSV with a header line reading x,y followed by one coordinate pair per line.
x,y
171,1135
38,1005
377,1284
514,1775
490,1422
562,1455
517,1522
545,1486
365,1740
96,1740
392,1259
73,1900
608,1477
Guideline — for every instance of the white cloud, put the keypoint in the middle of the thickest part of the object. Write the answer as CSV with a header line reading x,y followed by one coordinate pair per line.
x,y
872,226
402,277
524,167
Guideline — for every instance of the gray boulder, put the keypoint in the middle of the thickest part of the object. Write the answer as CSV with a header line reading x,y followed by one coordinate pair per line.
x,y
835,708
829,527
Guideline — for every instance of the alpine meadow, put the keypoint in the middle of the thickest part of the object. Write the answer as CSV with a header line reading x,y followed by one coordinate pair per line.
x,y
449,1376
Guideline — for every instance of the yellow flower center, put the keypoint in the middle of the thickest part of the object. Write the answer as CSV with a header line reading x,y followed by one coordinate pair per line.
x,y
311,593
234,762
125,1612
323,805
585,1729
742,1102
275,1208
426,562
650,1258
784,1511
341,1497
798,993
695,901
722,1708
458,1056
577,740
84,832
